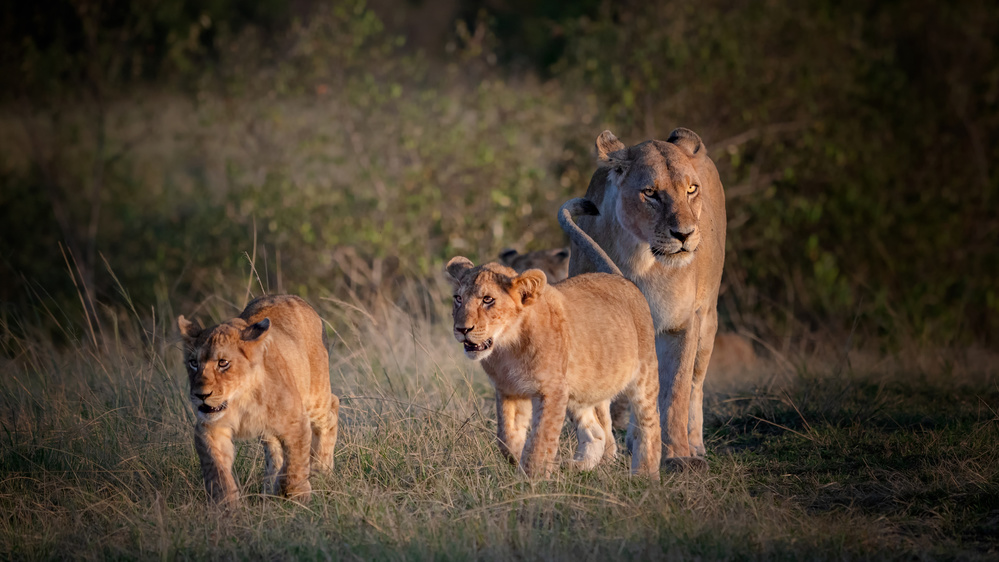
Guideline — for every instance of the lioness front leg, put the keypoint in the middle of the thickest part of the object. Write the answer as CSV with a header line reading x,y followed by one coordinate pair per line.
x,y
546,424
676,353
695,427
513,418
297,444
216,453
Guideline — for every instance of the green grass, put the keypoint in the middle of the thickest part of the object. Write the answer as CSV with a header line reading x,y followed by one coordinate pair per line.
x,y
97,461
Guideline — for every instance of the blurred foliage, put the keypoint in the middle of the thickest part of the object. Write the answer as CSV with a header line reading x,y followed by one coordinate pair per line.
x,y
856,142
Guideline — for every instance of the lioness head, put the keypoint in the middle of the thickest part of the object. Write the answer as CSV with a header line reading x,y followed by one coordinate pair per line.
x,y
658,187
488,302
221,362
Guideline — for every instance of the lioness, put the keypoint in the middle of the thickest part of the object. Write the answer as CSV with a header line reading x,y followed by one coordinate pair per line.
x,y
546,348
555,262
662,220
264,373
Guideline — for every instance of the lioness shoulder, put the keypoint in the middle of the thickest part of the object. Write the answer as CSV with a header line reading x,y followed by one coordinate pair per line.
x,y
262,374
548,348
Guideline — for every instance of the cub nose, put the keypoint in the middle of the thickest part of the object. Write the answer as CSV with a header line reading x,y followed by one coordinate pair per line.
x,y
203,396
681,235
464,331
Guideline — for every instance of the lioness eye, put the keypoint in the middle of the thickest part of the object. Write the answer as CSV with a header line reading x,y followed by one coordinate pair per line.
x,y
457,300
193,364
692,188
649,192
223,364
487,300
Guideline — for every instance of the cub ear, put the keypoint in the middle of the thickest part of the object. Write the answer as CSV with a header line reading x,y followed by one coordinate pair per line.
x,y
560,254
456,268
188,330
528,285
506,255
254,332
687,140
611,153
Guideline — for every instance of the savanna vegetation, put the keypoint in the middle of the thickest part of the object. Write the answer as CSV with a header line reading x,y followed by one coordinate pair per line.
x,y
168,157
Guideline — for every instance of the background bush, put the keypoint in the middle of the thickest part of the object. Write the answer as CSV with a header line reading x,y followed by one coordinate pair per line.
x,y
180,140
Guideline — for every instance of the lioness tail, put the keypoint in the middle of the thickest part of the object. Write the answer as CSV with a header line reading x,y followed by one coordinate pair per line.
x,y
582,240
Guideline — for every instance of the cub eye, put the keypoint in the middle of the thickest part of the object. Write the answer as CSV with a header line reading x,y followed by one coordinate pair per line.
x,y
457,300
692,188
649,192
192,364
487,300
223,364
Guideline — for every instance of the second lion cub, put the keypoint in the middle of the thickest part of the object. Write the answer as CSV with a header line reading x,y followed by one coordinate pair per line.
x,y
546,348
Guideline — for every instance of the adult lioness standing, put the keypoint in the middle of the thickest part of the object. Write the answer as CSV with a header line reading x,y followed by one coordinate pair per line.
x,y
662,221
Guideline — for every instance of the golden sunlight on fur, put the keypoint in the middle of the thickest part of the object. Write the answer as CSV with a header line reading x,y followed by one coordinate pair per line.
x,y
547,348
263,374
660,217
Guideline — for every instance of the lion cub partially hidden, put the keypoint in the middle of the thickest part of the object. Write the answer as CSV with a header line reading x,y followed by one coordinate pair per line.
x,y
264,373
546,348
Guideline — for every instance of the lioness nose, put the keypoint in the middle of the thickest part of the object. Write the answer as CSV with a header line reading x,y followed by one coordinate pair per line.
x,y
681,236
203,396
464,331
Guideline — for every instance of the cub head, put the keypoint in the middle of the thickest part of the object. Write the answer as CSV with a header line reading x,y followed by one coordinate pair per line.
x,y
222,362
659,191
488,303
555,263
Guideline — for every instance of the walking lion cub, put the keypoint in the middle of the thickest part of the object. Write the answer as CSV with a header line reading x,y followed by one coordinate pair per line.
x,y
263,374
547,348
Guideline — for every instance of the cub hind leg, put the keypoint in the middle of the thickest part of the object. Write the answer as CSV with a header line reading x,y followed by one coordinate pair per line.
x,y
644,429
592,434
325,427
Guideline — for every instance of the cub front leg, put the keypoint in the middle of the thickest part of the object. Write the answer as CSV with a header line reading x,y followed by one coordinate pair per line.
x,y
513,418
546,424
216,452
325,426
274,465
296,444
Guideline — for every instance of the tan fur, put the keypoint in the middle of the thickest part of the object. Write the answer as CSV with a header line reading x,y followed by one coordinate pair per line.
x,y
547,348
555,262
732,353
670,240
263,374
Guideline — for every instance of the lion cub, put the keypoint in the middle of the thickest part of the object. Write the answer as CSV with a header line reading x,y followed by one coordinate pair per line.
x,y
547,348
264,373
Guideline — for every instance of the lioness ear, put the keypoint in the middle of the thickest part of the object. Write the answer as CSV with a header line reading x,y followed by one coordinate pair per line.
x,y
506,255
528,285
255,331
456,268
188,330
687,140
611,153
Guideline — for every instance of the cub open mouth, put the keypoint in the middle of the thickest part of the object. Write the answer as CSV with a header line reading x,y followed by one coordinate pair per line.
x,y
469,346
206,409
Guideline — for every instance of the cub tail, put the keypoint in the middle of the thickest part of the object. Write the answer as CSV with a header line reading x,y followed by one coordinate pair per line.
x,y
586,245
